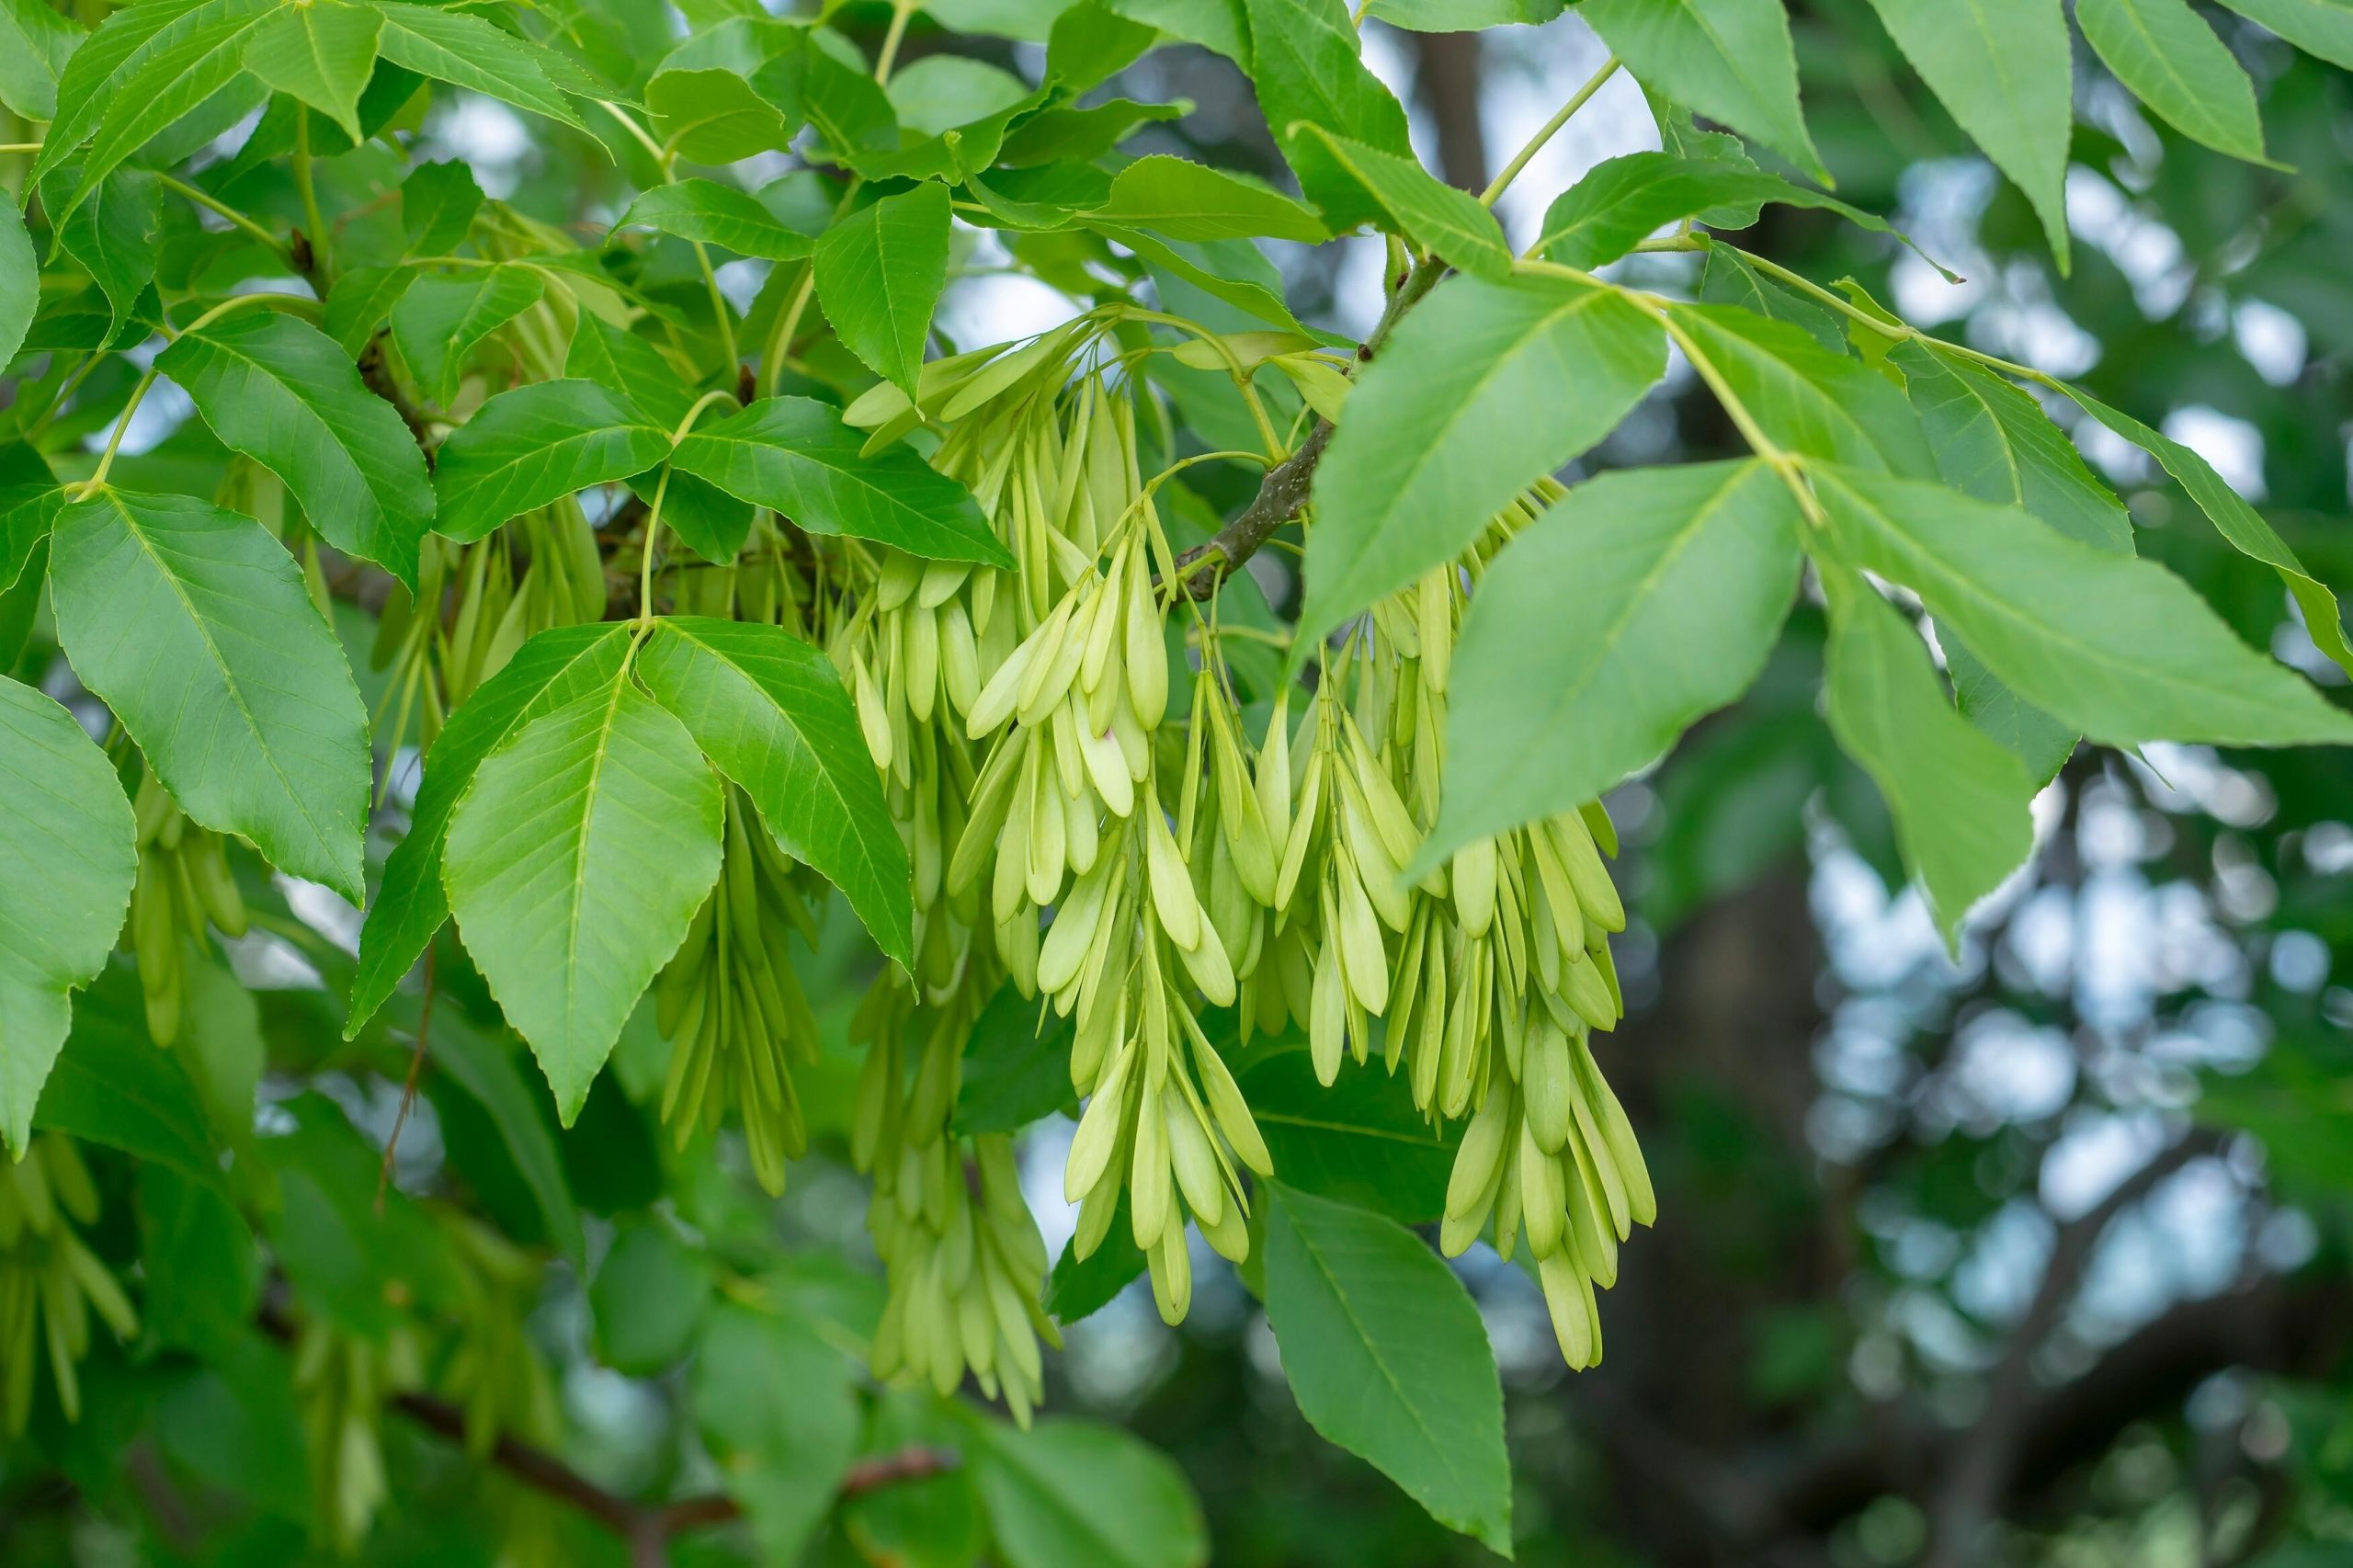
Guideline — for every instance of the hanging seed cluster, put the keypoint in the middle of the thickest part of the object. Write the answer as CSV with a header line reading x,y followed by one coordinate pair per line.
x,y
183,888
51,1284
732,1007
1126,860
1094,813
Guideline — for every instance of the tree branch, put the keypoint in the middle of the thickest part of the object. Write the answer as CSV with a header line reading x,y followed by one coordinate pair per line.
x,y
1987,1453
645,1527
2296,1328
1283,494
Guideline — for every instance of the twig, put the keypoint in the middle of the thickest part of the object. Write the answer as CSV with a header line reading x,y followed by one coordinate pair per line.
x,y
408,1089
376,374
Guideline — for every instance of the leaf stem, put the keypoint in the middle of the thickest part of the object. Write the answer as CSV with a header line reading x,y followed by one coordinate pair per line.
x,y
645,139
788,322
717,308
654,510
1551,129
645,566
220,209
887,55
321,260
1900,332
1764,446
137,394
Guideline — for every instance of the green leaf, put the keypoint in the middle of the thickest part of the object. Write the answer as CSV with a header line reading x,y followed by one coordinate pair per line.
x,y
1623,200
231,1420
113,1087
2174,65
1463,16
1017,1065
2040,742
19,604
28,511
943,92
782,1460
649,1298
716,117
94,75
1080,135
2239,523
535,445
67,857
1088,45
1994,442
1305,63
187,59
360,301
360,1262
1186,201
2320,27
849,113
553,670
1687,573
35,43
704,209
1806,398
1068,1490
1438,436
880,272
769,711
1031,21
1959,797
1451,224
2115,646
796,457
712,523
2004,69
1217,25
485,1067
1233,270
203,1271
1081,1287
193,626
438,319
115,234
438,206
631,368
1731,278
282,393
466,51
322,52
19,281
1388,1359
1360,1142
1730,60
574,864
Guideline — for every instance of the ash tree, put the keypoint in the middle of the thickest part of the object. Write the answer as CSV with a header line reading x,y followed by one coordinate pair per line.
x,y
597,649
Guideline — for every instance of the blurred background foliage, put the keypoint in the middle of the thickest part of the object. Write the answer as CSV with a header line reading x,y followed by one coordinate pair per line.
x,y
2054,1236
